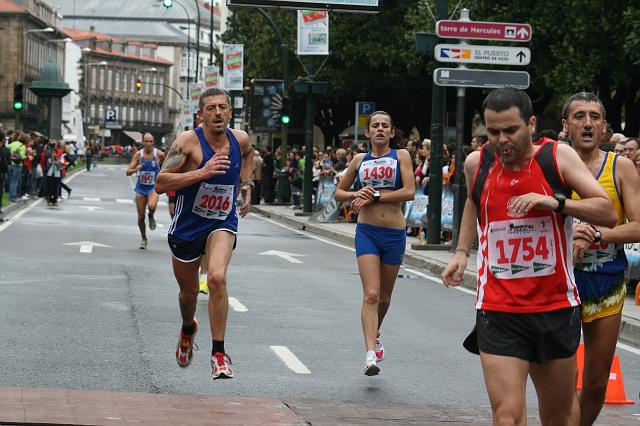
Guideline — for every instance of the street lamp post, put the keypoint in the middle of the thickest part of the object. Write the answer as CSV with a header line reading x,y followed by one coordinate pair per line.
x,y
25,58
188,44
87,102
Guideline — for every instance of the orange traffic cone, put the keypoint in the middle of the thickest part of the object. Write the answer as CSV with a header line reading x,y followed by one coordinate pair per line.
x,y
615,387
580,362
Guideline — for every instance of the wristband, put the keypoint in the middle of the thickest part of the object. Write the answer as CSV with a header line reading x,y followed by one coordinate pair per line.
x,y
461,249
248,182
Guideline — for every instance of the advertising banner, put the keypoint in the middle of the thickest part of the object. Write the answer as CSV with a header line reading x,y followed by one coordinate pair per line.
x,y
211,77
313,32
233,66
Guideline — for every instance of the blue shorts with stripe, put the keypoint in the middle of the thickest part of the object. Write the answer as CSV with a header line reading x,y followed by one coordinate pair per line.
x,y
387,243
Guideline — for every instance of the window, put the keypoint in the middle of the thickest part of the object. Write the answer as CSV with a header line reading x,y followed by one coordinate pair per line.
x,y
101,82
117,81
132,114
92,111
138,114
94,78
109,79
125,81
154,86
153,116
124,114
160,85
100,113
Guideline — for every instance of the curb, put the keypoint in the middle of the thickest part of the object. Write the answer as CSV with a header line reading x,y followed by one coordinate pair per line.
x,y
629,328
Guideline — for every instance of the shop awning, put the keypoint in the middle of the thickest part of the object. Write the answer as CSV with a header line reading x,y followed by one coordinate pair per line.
x,y
136,136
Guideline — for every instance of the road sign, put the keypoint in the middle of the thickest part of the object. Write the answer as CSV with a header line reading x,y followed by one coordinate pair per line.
x,y
472,54
484,30
461,77
110,115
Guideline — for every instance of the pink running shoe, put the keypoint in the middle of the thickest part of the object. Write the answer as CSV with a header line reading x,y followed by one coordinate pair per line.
x,y
379,349
184,350
221,366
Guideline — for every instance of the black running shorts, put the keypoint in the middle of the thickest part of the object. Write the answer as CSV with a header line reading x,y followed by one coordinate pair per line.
x,y
190,251
537,337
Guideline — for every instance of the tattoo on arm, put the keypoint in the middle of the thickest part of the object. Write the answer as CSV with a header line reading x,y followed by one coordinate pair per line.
x,y
174,159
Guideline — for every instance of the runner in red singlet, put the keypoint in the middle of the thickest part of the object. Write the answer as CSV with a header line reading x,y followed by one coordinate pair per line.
x,y
528,320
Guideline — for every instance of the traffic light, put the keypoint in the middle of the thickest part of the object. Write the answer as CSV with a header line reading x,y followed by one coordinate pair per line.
x,y
18,95
285,111
167,3
138,85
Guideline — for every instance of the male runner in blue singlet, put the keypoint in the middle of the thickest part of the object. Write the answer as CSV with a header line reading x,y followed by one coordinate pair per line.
x,y
147,164
204,166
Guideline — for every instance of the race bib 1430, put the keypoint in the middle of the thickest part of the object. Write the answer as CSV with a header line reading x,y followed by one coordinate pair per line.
x,y
521,248
379,172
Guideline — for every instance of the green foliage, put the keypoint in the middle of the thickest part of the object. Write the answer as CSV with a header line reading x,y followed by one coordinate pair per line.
x,y
577,45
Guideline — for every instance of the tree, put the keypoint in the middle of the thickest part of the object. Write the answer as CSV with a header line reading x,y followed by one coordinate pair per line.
x,y
589,45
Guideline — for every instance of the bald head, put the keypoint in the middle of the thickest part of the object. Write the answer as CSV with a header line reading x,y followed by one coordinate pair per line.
x,y
617,138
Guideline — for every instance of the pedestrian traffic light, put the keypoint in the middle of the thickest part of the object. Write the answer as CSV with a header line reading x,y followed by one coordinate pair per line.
x,y
284,113
167,3
18,95
138,85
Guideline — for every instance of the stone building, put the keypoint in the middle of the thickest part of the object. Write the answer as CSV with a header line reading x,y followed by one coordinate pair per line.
x,y
32,36
113,108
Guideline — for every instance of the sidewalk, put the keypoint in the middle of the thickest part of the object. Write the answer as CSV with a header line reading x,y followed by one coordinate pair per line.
x,y
430,260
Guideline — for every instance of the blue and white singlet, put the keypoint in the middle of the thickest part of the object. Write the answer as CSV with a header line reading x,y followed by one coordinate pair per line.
x,y
209,205
147,175
379,172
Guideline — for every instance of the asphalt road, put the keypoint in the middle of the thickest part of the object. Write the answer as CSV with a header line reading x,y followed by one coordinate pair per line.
x,y
109,318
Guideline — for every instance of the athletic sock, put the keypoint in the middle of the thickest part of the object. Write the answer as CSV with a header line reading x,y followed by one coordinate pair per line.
x,y
371,355
218,346
188,330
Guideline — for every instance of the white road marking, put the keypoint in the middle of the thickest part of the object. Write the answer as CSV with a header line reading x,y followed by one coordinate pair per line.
x,y
86,246
628,348
290,360
438,281
236,305
93,199
91,208
289,257
70,178
17,216
124,200
307,233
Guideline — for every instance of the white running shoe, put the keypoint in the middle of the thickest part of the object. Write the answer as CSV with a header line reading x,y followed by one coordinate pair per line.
x,y
371,367
221,366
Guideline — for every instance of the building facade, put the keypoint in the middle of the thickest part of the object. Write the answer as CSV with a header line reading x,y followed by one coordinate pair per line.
x,y
113,107
32,36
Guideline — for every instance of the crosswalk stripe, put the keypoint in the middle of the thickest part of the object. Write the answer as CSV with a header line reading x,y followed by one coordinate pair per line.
x,y
124,201
96,199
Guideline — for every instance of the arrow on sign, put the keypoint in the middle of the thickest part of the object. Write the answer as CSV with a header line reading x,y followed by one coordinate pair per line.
x,y
523,33
86,246
521,56
283,254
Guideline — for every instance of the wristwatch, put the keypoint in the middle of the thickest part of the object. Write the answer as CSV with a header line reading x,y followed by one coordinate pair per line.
x,y
560,198
376,196
598,236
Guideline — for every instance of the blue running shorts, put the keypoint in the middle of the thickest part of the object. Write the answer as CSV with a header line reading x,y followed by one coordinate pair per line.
x,y
386,243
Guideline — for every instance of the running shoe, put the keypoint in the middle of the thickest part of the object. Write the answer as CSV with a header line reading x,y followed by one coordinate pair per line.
x,y
204,287
379,349
371,367
143,244
186,344
221,366
152,222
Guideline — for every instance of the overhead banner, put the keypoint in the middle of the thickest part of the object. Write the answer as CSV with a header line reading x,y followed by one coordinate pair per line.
x,y
313,32
372,6
211,77
233,66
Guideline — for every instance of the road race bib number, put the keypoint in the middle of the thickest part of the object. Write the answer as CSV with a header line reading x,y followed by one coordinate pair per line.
x,y
597,253
147,177
214,201
379,172
521,248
